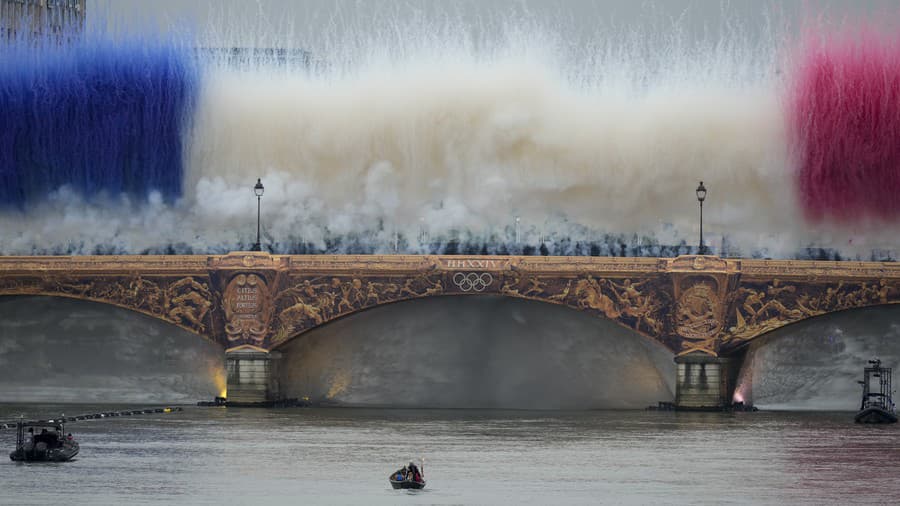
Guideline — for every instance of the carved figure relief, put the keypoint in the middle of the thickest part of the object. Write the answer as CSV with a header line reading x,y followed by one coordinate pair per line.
x,y
636,305
562,295
639,305
760,307
311,302
188,303
185,301
591,296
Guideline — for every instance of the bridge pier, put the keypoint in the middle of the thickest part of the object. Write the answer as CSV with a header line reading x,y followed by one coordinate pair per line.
x,y
252,376
704,382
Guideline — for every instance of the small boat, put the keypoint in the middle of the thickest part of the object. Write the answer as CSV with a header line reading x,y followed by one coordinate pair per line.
x,y
44,443
404,478
877,405
398,484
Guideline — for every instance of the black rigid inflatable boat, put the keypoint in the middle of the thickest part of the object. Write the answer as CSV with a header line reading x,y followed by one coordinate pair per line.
x,y
43,443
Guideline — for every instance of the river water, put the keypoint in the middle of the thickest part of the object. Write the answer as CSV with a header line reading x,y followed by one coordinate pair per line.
x,y
343,456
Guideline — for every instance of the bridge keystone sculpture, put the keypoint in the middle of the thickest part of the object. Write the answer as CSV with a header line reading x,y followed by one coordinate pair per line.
x,y
695,306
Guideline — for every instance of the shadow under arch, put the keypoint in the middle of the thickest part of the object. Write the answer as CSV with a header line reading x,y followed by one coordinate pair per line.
x,y
484,351
286,338
105,302
815,363
66,349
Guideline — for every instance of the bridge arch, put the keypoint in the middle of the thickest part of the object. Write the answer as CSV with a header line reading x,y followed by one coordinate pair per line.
x,y
482,295
470,351
66,349
815,363
149,311
310,303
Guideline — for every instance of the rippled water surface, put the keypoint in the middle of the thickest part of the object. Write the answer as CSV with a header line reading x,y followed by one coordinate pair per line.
x,y
343,456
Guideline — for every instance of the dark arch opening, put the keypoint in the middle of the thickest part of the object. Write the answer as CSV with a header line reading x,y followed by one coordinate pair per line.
x,y
58,349
814,364
483,351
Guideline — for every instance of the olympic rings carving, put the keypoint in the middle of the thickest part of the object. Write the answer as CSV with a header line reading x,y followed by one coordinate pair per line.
x,y
473,281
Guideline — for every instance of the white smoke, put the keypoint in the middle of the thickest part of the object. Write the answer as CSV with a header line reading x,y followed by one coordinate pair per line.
x,y
402,131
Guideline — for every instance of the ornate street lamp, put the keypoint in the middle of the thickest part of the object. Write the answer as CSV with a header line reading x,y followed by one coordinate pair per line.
x,y
258,190
701,196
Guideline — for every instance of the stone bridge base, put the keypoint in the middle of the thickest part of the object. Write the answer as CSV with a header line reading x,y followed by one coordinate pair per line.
x,y
252,376
704,382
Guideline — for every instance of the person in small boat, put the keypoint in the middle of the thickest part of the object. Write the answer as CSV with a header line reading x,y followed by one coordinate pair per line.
x,y
414,474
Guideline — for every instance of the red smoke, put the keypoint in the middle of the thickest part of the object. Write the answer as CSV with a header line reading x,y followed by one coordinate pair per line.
x,y
844,122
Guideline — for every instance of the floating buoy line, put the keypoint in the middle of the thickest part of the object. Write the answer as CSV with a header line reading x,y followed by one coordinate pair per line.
x,y
92,416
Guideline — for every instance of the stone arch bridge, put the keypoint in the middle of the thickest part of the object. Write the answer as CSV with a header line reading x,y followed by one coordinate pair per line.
x,y
704,309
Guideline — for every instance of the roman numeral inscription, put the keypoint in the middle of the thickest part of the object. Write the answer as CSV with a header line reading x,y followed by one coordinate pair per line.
x,y
474,263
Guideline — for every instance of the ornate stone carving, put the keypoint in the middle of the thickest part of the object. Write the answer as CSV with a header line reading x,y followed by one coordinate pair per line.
x,y
188,303
243,260
310,302
637,305
762,307
698,316
701,263
184,302
701,301
248,309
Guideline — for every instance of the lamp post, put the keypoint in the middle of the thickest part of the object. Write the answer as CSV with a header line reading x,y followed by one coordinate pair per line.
x,y
517,230
701,196
258,190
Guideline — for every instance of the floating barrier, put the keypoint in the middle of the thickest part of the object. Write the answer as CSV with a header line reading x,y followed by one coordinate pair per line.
x,y
92,416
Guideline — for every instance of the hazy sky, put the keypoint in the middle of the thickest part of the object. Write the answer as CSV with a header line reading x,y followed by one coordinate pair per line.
x,y
308,16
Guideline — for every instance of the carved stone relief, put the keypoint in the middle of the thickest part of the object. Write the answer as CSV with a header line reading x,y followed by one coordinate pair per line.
x,y
763,307
183,301
248,309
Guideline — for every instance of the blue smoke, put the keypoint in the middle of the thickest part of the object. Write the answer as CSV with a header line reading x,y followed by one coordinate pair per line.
x,y
95,115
